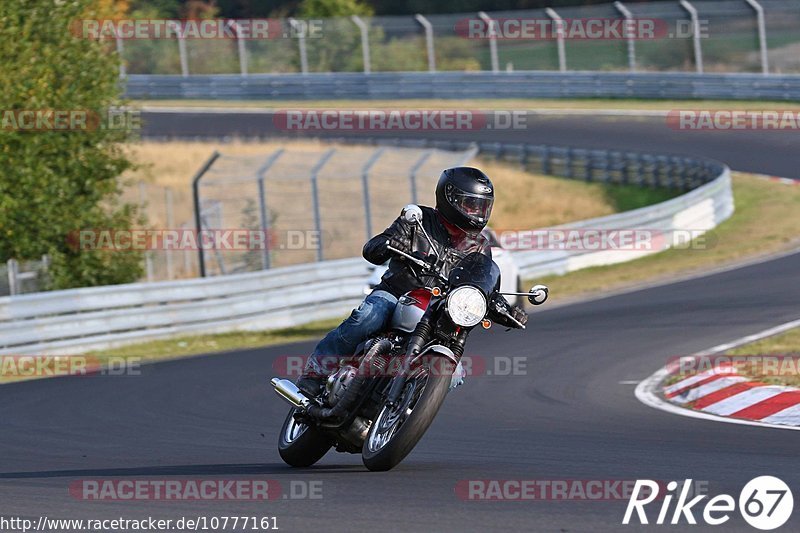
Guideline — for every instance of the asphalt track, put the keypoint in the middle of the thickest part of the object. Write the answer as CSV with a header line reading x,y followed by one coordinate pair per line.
x,y
567,417
765,152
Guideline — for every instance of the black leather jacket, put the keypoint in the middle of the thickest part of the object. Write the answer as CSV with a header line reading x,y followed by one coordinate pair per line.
x,y
399,278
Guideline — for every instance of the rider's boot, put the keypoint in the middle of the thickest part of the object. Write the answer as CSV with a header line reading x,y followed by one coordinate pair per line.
x,y
311,384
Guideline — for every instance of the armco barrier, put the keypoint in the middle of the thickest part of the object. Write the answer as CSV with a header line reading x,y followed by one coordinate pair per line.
x,y
78,320
461,85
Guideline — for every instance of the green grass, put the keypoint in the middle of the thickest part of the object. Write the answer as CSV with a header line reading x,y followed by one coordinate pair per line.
x,y
784,370
627,197
788,371
221,342
766,220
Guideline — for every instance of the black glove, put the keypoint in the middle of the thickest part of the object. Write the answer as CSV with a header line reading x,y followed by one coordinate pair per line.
x,y
519,315
398,244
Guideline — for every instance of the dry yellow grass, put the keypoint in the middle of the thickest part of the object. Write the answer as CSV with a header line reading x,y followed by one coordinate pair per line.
x,y
524,200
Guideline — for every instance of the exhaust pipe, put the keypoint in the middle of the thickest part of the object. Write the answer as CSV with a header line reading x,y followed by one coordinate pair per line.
x,y
289,392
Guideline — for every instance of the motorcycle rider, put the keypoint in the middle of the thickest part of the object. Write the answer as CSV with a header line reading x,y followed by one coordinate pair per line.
x,y
464,199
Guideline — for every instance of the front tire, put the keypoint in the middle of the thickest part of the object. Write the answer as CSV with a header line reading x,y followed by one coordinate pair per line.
x,y
300,445
396,431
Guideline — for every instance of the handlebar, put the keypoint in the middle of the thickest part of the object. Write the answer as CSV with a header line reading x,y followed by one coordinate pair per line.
x,y
410,257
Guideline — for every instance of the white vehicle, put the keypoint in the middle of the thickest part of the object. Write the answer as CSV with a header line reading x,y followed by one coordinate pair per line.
x,y
509,272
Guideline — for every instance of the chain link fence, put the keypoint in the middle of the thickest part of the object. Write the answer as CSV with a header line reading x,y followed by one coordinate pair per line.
x,y
690,35
312,204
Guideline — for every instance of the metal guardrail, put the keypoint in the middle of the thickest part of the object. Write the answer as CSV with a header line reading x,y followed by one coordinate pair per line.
x,y
77,320
461,85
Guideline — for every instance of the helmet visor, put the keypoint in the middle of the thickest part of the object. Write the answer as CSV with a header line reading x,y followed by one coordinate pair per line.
x,y
474,206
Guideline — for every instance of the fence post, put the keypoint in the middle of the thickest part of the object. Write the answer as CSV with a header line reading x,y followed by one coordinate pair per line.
x,y
559,22
315,198
365,189
630,34
170,225
362,26
301,45
198,220
240,46
762,35
428,41
13,275
181,48
412,174
491,35
262,206
698,51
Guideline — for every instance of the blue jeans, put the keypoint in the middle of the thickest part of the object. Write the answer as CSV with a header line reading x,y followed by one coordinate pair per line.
x,y
371,317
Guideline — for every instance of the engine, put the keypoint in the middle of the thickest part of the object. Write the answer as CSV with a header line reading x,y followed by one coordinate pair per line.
x,y
338,382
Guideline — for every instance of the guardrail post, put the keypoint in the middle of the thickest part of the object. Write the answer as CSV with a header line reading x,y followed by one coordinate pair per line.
x,y
762,35
365,188
362,26
301,45
198,220
315,198
181,48
262,205
412,173
240,46
428,41
698,51
492,35
630,30
559,23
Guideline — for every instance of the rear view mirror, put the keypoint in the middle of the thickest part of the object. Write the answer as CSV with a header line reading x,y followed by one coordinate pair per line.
x,y
412,213
538,294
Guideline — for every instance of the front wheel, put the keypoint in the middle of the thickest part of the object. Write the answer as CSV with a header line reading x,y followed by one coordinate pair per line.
x,y
299,444
396,430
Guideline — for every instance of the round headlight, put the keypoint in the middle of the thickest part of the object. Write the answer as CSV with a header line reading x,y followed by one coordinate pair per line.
x,y
466,306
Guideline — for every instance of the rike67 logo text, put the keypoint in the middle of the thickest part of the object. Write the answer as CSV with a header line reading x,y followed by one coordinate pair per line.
x,y
765,503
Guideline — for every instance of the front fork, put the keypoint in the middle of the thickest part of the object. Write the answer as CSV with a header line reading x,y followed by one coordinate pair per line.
x,y
421,337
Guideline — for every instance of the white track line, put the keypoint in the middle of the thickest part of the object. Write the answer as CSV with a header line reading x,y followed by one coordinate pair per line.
x,y
647,391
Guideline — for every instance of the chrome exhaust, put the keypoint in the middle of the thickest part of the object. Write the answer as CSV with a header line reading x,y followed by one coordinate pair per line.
x,y
289,392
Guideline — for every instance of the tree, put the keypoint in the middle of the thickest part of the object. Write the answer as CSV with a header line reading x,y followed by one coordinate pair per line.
x,y
55,181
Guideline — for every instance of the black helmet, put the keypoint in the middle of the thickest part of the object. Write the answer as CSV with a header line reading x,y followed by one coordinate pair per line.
x,y
464,196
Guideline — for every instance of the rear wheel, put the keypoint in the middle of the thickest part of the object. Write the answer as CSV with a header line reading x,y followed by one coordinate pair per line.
x,y
299,444
396,430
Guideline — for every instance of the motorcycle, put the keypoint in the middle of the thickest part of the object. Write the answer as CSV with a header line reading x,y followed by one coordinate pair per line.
x,y
381,401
